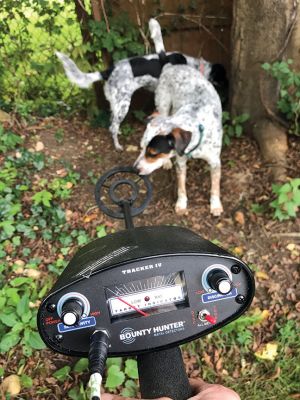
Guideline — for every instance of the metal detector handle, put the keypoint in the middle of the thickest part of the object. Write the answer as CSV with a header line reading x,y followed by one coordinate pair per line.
x,y
162,374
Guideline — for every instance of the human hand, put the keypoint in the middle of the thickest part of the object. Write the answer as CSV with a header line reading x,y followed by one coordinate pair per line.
x,y
201,389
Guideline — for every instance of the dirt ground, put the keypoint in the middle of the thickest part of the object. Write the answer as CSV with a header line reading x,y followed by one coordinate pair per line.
x,y
246,180
272,248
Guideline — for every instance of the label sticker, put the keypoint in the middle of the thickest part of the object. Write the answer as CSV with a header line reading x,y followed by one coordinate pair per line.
x,y
215,296
84,323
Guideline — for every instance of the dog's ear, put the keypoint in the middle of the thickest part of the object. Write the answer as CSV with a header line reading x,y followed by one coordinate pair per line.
x,y
182,138
150,117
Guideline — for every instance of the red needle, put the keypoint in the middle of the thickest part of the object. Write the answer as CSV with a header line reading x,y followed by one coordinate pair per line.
x,y
135,308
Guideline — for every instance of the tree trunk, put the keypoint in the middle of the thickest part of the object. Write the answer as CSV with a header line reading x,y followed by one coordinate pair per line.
x,y
259,34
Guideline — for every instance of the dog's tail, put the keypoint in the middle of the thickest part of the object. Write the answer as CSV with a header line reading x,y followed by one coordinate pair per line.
x,y
156,36
81,79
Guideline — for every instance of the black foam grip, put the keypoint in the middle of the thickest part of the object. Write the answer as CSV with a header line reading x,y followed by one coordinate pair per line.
x,y
162,374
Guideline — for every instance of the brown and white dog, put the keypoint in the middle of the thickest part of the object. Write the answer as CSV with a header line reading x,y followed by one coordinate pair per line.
x,y
194,130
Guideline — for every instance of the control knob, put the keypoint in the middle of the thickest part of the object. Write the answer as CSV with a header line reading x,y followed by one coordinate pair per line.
x,y
219,281
71,312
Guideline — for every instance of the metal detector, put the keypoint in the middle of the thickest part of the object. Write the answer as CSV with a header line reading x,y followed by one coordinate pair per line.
x,y
142,292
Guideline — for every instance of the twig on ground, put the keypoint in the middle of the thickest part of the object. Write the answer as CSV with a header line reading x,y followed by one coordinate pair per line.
x,y
286,234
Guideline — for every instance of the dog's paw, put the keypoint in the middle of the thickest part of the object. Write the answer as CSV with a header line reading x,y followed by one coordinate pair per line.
x,y
216,207
181,206
181,211
167,164
119,147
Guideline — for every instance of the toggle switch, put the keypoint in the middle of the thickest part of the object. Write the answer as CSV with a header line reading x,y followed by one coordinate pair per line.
x,y
204,315
219,281
210,318
72,311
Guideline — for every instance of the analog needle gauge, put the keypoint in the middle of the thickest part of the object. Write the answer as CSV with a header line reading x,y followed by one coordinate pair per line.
x,y
148,296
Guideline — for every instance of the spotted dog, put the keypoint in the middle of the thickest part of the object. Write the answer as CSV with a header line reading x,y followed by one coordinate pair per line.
x,y
128,75
194,130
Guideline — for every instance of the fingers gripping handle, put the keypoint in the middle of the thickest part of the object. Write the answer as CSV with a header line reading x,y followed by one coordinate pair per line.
x,y
162,374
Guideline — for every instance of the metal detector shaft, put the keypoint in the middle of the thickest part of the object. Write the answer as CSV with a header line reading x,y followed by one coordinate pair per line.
x,y
162,374
127,214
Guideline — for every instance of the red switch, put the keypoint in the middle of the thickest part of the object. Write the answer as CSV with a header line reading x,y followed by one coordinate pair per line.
x,y
209,318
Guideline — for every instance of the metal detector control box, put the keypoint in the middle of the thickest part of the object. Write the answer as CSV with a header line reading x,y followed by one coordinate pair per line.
x,y
149,288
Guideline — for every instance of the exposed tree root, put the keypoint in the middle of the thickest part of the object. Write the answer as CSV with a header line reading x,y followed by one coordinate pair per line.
x,y
272,140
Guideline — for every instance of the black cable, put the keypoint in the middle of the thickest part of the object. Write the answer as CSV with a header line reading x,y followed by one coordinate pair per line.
x,y
97,359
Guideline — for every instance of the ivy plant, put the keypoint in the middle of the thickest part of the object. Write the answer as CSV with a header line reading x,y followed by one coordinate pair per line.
x,y
287,201
232,126
120,373
289,91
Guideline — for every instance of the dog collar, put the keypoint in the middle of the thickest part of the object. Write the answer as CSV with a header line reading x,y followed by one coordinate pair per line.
x,y
201,130
202,68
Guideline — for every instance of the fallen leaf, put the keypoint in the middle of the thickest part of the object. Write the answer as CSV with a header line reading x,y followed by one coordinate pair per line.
x,y
69,185
291,246
62,172
32,273
131,148
238,250
4,117
11,384
219,364
68,214
239,217
19,271
36,304
51,381
262,275
89,218
19,263
264,314
207,359
39,146
267,351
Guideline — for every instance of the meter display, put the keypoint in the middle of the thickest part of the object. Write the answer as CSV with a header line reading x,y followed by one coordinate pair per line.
x,y
141,298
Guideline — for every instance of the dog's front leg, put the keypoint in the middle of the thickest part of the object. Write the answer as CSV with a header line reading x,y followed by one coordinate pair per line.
x,y
181,204
216,207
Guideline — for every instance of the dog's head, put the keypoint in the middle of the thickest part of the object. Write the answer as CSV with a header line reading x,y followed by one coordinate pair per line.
x,y
160,147
218,78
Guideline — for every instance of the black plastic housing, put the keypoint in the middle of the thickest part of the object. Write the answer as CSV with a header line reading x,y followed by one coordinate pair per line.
x,y
142,253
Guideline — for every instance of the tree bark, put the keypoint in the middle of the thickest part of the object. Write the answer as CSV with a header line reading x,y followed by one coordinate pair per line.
x,y
259,34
